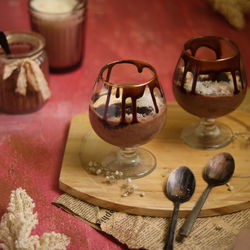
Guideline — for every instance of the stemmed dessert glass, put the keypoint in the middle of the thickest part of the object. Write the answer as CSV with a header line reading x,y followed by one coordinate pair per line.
x,y
209,82
127,109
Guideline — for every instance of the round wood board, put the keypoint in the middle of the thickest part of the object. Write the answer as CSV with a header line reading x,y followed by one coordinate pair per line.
x,y
83,146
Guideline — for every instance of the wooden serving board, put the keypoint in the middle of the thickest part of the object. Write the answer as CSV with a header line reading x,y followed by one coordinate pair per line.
x,y
83,145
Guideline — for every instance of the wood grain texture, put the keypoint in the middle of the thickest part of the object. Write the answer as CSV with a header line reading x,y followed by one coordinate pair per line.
x,y
83,145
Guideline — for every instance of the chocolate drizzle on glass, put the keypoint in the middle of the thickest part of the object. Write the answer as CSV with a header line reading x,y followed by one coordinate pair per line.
x,y
133,91
209,82
219,65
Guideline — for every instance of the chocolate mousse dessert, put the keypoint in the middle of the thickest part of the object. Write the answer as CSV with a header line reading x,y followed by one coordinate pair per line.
x,y
121,126
211,96
210,87
127,115
209,82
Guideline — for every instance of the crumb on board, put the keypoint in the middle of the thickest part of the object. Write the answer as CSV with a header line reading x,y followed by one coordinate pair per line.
x,y
218,227
111,177
142,194
229,187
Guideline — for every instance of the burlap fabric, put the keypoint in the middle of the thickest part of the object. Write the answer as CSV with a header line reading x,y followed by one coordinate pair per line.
x,y
135,231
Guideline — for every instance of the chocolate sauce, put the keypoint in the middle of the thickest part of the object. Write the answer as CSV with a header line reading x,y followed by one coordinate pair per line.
x,y
127,124
131,92
222,70
202,67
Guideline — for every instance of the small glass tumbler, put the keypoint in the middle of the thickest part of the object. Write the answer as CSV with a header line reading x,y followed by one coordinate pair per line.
x,y
24,74
62,23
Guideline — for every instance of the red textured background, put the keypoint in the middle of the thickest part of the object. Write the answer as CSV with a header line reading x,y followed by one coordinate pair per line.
x,y
32,146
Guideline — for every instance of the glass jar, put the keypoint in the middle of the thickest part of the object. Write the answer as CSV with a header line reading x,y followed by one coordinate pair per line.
x,y
62,24
24,73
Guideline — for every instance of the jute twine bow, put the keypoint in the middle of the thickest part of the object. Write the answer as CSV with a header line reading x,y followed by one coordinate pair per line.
x,y
30,74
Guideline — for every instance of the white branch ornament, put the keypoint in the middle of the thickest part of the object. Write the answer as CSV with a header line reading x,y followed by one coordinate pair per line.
x,y
16,226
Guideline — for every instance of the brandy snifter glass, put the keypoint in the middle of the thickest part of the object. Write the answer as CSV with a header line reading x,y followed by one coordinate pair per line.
x,y
209,82
127,109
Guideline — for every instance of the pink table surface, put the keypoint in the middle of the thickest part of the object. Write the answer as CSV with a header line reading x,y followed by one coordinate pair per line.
x,y
32,145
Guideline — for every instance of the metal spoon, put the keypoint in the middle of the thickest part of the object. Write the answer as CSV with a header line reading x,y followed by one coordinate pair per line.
x,y
217,172
180,188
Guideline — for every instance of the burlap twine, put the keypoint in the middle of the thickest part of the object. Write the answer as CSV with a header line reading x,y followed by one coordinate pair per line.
x,y
30,75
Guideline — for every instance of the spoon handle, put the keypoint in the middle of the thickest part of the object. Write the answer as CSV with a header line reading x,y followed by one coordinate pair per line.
x,y
4,43
190,220
171,231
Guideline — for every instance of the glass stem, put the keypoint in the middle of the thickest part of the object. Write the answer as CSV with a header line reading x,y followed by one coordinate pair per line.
x,y
207,127
128,155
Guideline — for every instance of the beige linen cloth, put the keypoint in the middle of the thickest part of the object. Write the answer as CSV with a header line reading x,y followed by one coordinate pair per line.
x,y
209,233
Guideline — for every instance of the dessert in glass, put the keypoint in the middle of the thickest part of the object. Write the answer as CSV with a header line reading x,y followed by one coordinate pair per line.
x,y
127,109
24,73
62,23
209,82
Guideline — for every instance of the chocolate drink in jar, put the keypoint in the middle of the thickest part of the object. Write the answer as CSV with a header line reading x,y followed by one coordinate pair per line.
x,y
24,74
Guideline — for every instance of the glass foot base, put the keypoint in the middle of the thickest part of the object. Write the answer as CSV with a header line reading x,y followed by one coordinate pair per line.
x,y
194,136
138,164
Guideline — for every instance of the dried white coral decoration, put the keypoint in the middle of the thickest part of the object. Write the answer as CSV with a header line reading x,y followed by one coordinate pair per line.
x,y
17,223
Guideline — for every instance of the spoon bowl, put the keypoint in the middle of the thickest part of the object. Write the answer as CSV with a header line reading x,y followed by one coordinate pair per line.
x,y
180,185
218,171
180,188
